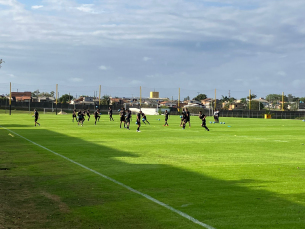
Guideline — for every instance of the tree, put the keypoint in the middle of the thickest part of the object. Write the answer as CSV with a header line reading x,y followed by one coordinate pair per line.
x,y
200,97
253,96
52,93
243,101
65,98
105,100
276,98
186,98
1,61
255,105
35,93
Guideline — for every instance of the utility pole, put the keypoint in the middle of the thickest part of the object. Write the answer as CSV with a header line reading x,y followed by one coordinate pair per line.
x,y
229,94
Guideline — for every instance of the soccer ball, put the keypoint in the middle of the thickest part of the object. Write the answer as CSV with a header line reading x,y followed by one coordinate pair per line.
x,y
143,119
224,123
119,110
210,122
220,122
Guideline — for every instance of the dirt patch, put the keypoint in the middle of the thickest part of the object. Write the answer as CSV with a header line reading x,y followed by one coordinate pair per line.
x,y
61,205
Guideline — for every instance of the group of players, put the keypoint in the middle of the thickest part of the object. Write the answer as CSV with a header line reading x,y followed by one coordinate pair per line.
x,y
125,117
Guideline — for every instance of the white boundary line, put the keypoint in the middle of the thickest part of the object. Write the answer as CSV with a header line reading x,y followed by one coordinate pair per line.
x,y
121,184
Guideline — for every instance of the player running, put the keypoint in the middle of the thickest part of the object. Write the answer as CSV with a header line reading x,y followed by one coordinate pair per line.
x,y
203,118
36,114
139,121
188,117
144,119
128,118
97,115
166,114
74,115
182,116
80,117
122,117
110,114
88,114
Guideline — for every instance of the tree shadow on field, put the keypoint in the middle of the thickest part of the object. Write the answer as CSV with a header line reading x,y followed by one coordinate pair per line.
x,y
222,204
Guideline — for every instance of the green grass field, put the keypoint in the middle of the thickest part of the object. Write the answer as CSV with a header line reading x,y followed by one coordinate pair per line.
x,y
245,174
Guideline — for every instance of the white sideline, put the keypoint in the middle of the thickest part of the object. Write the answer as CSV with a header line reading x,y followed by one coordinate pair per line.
x,y
121,184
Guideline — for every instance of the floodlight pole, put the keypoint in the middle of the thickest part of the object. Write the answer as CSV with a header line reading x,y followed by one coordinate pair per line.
x,y
179,101
99,97
10,98
56,97
140,97
282,101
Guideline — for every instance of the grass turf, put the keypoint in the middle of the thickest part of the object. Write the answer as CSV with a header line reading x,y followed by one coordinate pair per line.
x,y
247,173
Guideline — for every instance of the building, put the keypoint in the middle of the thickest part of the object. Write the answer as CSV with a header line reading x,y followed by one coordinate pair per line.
x,y
21,96
154,95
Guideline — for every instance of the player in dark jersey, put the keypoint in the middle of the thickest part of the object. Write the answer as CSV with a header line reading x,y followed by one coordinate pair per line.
x,y
188,117
122,117
80,117
139,120
128,118
96,115
216,116
182,117
166,114
144,119
203,118
88,114
36,115
184,120
110,114
74,115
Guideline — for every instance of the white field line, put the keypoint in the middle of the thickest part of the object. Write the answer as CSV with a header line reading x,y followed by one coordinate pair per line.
x,y
121,184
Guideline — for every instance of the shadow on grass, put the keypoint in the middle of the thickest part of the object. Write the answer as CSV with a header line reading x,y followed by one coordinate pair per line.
x,y
219,203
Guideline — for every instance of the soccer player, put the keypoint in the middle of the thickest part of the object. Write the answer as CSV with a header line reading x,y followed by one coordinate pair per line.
x,y
184,120
166,118
203,118
96,115
144,119
110,114
88,114
188,117
36,114
74,115
139,121
80,117
128,117
182,117
216,116
122,117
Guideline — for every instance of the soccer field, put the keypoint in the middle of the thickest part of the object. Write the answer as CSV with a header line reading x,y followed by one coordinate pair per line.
x,y
246,173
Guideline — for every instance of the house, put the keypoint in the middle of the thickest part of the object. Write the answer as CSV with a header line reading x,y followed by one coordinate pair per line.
x,y
236,106
41,99
21,96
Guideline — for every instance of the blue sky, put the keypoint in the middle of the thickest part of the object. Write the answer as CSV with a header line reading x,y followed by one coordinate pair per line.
x,y
198,46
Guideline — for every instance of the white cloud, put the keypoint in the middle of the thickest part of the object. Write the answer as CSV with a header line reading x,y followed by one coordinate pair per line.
x,y
146,58
281,73
37,7
11,76
76,79
103,67
87,8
